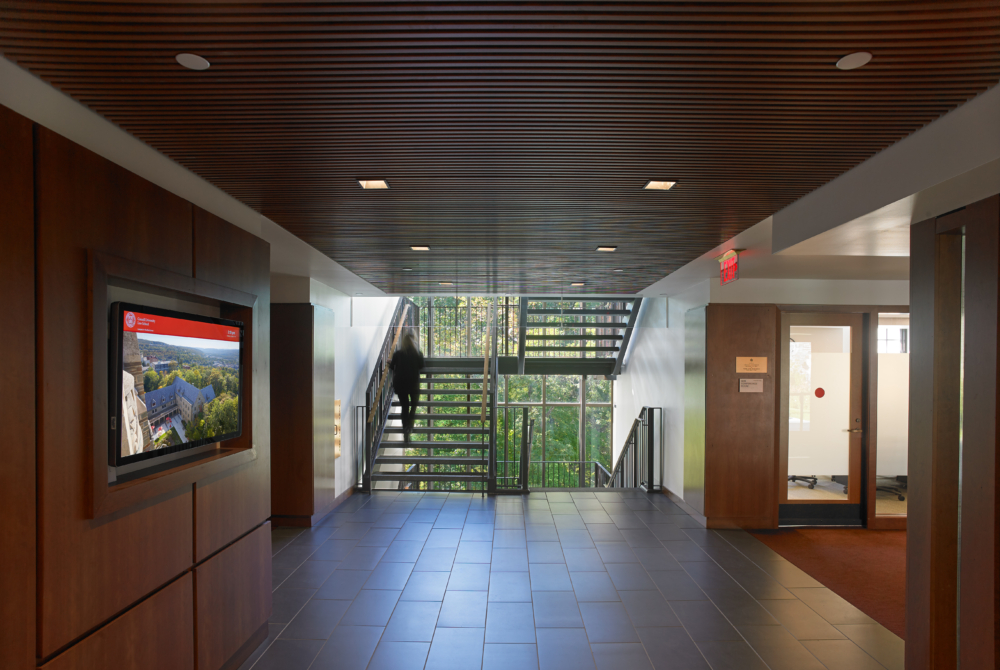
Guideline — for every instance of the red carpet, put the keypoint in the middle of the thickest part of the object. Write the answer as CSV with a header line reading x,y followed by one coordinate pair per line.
x,y
867,568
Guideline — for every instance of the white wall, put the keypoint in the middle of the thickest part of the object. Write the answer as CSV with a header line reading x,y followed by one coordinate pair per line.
x,y
653,376
813,292
360,328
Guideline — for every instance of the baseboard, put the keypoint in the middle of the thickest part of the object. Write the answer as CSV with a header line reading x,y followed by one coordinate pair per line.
x,y
692,512
740,523
893,522
302,521
249,647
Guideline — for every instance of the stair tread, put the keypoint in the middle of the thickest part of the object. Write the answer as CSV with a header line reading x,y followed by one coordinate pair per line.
x,y
453,392
453,380
472,430
452,417
430,460
578,312
445,403
427,477
434,445
574,324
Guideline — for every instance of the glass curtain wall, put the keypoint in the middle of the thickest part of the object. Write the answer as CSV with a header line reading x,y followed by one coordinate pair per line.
x,y
573,426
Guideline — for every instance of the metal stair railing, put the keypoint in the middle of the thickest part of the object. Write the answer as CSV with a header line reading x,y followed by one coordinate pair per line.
x,y
513,469
378,396
638,463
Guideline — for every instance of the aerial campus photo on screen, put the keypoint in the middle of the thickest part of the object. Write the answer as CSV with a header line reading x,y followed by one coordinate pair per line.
x,y
177,390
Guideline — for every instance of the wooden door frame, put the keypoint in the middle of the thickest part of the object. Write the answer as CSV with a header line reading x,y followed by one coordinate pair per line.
x,y
941,267
876,521
857,401
869,375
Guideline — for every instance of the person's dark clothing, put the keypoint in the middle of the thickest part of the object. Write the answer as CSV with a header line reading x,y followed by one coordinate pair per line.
x,y
406,367
408,400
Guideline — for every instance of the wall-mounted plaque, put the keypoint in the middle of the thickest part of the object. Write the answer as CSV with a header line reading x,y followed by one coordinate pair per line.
x,y
751,365
752,385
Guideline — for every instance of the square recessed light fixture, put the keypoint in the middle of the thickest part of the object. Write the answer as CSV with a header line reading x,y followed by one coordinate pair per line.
x,y
659,185
407,269
618,270
420,247
368,184
607,248
445,283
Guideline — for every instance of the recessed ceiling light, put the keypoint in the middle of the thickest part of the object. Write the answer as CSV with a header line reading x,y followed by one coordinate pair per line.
x,y
193,62
619,270
607,248
445,283
373,183
854,61
659,185
577,283
407,269
420,247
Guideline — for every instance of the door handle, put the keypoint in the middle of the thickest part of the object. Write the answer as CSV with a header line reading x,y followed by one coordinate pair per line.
x,y
854,430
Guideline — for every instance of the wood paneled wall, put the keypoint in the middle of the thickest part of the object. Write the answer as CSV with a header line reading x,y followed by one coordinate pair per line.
x,y
158,634
980,550
229,505
302,411
116,591
17,393
949,255
92,570
932,503
740,428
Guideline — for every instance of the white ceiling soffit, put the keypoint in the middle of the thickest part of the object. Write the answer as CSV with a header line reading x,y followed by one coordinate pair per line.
x,y
757,262
31,97
886,231
896,184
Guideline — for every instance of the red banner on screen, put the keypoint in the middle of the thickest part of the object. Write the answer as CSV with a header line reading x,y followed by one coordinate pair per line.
x,y
137,322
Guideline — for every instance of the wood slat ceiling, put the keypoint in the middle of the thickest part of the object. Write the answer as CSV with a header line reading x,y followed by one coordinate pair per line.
x,y
516,136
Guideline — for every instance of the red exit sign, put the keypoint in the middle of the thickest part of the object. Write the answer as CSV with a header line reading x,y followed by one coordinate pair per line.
x,y
729,267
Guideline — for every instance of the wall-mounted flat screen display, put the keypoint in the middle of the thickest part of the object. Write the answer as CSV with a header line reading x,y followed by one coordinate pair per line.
x,y
176,382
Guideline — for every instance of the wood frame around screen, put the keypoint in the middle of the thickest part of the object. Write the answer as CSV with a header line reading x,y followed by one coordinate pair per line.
x,y
103,270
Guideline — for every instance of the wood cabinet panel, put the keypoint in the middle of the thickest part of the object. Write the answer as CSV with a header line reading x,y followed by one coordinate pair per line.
x,y
17,393
157,634
229,505
740,437
232,598
90,570
303,465
292,410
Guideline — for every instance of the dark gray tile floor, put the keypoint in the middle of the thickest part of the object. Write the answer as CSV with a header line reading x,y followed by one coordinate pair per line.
x,y
575,580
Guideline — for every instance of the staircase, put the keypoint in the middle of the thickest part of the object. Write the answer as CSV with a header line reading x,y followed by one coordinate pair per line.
x,y
576,330
449,447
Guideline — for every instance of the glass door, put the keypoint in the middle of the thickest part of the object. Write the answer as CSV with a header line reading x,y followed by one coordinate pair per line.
x,y
822,424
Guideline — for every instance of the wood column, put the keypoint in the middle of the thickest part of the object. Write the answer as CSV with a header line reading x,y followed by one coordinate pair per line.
x,y
980,550
17,393
935,366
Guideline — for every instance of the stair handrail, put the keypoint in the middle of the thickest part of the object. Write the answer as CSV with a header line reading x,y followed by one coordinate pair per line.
x,y
378,402
387,360
635,465
486,358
